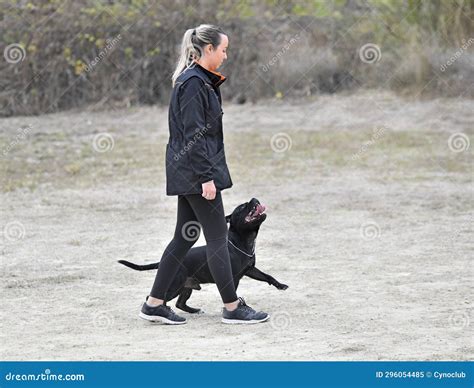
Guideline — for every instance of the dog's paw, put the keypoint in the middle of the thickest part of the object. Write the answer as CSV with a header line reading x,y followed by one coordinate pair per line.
x,y
282,286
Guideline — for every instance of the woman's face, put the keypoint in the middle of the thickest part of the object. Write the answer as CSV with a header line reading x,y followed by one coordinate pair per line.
x,y
215,57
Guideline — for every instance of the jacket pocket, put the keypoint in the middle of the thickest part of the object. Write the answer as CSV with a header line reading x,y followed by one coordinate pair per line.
x,y
178,171
220,171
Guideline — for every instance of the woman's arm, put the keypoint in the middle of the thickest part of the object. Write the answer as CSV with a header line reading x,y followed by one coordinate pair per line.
x,y
193,102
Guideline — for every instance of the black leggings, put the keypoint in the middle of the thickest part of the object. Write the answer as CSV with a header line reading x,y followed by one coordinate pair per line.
x,y
195,211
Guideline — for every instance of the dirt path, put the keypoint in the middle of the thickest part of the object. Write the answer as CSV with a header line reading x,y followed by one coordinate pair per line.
x,y
369,223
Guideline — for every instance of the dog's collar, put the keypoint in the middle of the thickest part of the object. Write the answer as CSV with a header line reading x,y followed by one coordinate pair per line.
x,y
245,253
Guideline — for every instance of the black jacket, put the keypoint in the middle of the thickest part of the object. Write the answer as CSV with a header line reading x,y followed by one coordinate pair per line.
x,y
195,150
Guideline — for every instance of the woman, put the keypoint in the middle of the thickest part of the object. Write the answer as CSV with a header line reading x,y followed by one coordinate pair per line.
x,y
196,171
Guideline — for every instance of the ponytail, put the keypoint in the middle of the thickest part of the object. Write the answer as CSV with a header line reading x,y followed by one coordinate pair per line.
x,y
192,45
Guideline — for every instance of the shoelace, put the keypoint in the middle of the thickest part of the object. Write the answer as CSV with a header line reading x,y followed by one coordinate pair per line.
x,y
244,305
168,308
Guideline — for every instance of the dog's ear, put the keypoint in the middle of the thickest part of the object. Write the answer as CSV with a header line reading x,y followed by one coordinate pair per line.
x,y
227,218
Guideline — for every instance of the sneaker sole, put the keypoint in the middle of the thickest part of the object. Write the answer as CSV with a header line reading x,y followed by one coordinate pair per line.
x,y
242,322
156,318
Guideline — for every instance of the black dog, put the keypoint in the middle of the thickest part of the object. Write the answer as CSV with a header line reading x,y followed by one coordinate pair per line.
x,y
245,222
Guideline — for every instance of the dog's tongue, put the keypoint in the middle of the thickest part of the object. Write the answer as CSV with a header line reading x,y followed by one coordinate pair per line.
x,y
260,208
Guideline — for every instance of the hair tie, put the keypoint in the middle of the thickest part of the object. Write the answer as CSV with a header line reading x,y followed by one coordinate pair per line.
x,y
194,32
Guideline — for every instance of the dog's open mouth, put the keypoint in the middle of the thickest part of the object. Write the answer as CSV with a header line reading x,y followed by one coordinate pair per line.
x,y
256,212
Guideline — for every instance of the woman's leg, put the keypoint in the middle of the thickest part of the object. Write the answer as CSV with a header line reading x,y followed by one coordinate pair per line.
x,y
210,214
185,236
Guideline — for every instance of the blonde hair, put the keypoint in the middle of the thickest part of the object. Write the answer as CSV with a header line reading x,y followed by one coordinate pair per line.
x,y
192,45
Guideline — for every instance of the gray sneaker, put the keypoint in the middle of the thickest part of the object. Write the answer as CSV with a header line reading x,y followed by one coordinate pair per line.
x,y
161,313
243,314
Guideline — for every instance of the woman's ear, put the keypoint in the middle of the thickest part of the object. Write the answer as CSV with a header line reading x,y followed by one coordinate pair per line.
x,y
227,218
209,48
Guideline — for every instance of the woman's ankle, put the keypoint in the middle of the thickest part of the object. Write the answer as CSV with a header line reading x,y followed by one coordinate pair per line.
x,y
151,301
231,306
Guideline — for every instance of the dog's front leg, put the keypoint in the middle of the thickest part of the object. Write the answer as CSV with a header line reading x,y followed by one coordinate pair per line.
x,y
256,274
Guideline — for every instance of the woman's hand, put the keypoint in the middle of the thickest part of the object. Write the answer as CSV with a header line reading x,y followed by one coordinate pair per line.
x,y
209,190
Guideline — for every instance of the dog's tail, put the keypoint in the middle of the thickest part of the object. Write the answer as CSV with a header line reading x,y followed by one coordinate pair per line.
x,y
138,267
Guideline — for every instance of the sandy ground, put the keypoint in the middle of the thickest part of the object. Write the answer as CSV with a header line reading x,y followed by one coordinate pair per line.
x,y
369,222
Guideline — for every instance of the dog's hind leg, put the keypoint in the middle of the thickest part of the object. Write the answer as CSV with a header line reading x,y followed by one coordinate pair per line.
x,y
183,298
